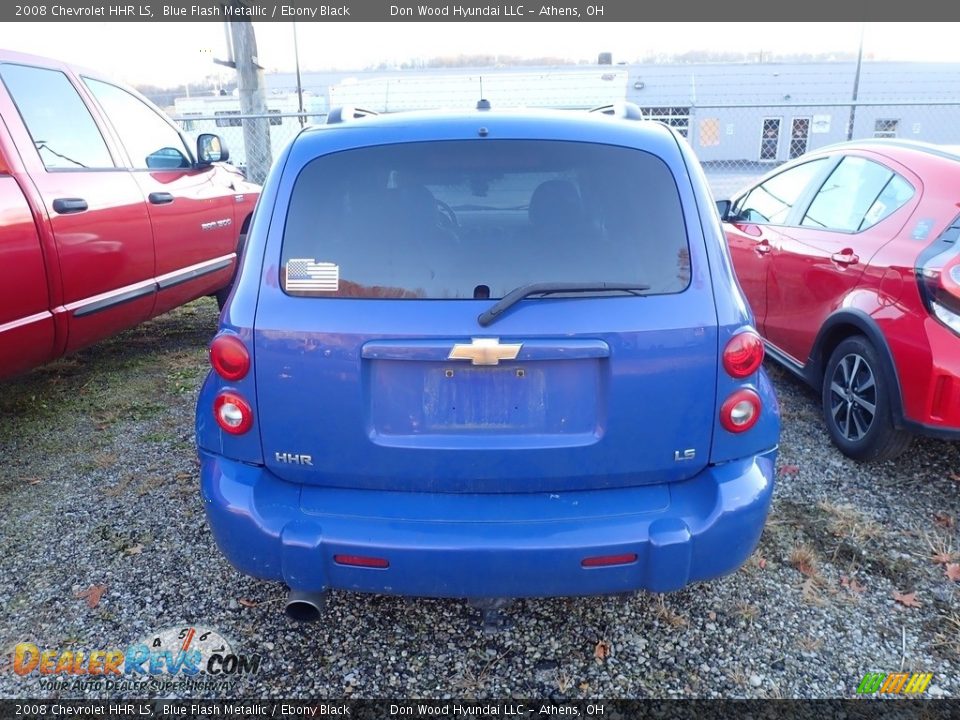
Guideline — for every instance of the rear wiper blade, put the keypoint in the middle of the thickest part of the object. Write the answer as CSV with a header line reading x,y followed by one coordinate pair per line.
x,y
525,291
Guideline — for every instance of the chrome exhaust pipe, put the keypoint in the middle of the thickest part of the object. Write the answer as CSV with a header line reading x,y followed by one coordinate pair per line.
x,y
305,606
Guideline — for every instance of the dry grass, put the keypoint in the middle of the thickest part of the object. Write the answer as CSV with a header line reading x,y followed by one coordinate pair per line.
x,y
120,487
844,521
809,644
804,559
668,615
738,677
746,611
471,682
941,548
948,638
812,590
774,693
104,460
564,681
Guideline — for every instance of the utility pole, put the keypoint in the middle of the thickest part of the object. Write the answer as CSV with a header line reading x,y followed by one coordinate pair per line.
x,y
296,59
856,85
253,101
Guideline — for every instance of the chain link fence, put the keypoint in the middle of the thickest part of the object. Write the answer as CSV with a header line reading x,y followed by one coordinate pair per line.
x,y
736,143
267,133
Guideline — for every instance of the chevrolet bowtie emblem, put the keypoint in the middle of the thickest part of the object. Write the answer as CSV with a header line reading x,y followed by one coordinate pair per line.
x,y
485,351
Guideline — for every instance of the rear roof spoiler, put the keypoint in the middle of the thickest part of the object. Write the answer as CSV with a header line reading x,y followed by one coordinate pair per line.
x,y
347,113
623,110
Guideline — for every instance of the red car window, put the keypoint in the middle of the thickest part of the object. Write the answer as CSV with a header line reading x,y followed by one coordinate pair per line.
x,y
850,199
772,201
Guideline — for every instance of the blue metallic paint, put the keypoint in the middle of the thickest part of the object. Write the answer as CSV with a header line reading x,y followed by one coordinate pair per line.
x,y
498,510
516,545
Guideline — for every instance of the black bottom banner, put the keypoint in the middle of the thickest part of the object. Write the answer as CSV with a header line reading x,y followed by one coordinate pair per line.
x,y
509,709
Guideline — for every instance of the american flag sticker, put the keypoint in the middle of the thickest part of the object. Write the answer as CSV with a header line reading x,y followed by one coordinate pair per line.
x,y
306,274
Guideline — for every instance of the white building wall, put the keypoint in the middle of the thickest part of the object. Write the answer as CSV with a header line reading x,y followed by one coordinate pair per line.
x,y
720,106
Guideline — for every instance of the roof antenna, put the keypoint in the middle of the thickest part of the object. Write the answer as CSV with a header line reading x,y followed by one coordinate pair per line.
x,y
482,103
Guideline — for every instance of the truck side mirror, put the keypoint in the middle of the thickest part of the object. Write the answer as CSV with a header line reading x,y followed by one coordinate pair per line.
x,y
210,149
723,207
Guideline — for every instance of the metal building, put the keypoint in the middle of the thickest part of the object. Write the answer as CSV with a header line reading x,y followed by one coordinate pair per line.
x,y
758,112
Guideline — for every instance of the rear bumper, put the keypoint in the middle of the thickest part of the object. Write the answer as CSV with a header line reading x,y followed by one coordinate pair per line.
x,y
931,384
494,545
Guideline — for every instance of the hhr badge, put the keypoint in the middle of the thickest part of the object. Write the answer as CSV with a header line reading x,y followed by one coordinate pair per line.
x,y
485,351
296,459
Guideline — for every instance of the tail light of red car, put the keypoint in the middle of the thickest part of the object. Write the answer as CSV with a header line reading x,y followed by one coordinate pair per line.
x,y
938,274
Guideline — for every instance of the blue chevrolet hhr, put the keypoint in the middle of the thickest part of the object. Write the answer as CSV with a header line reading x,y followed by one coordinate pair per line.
x,y
486,355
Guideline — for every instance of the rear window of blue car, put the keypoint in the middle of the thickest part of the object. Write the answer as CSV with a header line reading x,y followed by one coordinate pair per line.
x,y
478,218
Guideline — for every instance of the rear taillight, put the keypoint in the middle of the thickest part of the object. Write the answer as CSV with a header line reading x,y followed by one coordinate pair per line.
x,y
229,357
938,275
234,414
743,354
940,288
740,411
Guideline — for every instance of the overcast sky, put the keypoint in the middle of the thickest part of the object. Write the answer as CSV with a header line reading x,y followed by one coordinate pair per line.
x,y
171,53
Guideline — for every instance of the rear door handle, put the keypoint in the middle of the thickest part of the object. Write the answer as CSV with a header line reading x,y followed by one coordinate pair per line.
x,y
65,206
160,198
762,247
845,257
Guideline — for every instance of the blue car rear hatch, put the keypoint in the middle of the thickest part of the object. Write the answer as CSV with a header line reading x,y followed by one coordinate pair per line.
x,y
486,312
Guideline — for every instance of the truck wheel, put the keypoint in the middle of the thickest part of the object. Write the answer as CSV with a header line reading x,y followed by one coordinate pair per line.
x,y
857,403
223,293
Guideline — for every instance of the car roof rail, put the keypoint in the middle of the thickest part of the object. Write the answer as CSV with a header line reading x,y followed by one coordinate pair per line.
x,y
623,110
347,112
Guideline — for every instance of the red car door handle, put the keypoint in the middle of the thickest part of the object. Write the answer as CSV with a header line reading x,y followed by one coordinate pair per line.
x,y
846,257
160,198
762,247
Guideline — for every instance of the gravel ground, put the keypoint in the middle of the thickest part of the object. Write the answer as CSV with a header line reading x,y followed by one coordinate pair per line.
x,y
100,484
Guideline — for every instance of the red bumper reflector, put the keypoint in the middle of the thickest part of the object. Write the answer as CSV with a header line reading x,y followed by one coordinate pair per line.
x,y
360,561
606,560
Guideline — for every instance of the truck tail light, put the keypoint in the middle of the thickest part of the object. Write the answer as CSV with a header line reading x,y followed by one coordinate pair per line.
x,y
229,357
740,411
743,354
234,414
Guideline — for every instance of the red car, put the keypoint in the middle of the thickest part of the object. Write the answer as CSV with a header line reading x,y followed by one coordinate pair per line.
x,y
849,257
108,216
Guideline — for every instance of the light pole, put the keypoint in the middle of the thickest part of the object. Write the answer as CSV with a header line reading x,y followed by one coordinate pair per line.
x,y
856,85
296,60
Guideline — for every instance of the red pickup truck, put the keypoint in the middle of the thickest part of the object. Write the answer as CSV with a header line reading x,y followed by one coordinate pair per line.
x,y
108,216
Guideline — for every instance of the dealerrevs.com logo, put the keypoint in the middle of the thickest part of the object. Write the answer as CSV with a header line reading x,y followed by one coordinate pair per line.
x,y
175,658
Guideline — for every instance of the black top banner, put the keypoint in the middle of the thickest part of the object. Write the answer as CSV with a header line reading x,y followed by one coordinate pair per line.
x,y
477,11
